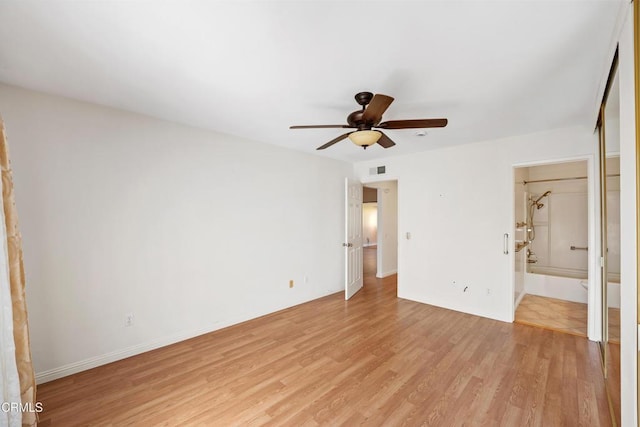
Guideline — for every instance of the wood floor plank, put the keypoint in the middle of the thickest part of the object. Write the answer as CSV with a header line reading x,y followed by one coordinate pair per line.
x,y
613,381
373,360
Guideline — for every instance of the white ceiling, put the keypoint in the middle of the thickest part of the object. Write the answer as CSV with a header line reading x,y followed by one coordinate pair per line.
x,y
493,68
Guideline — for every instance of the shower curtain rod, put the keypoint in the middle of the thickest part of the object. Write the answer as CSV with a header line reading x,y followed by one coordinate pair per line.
x,y
565,179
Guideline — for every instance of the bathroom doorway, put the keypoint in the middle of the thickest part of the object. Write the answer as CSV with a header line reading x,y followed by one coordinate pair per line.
x,y
552,246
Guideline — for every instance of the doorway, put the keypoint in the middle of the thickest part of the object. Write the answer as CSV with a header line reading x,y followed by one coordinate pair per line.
x,y
552,246
357,248
382,198
370,231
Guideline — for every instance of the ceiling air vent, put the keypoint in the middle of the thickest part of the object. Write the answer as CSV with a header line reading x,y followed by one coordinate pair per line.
x,y
377,170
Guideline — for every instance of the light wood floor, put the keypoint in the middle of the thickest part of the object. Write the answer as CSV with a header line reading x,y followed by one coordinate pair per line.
x,y
614,325
373,360
559,315
571,317
563,316
613,380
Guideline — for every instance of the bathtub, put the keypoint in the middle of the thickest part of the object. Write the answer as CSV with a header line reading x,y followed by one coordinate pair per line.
x,y
567,285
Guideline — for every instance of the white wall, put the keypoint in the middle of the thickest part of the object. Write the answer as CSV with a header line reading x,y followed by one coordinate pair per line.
x,y
124,214
628,231
457,203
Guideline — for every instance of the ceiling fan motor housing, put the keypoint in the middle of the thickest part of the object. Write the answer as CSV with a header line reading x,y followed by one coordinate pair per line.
x,y
355,120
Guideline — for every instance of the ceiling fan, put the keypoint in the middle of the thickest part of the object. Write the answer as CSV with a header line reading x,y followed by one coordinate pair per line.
x,y
367,119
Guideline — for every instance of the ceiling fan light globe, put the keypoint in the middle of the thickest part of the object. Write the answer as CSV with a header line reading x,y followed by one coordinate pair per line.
x,y
365,138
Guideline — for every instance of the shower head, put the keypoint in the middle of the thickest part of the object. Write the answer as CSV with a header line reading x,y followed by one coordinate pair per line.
x,y
540,198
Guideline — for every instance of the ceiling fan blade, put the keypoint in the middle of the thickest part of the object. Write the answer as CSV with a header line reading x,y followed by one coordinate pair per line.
x,y
413,124
376,108
385,141
333,141
320,127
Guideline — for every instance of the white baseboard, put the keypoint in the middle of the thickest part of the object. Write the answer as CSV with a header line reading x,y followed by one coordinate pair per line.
x,y
459,308
103,359
94,362
386,274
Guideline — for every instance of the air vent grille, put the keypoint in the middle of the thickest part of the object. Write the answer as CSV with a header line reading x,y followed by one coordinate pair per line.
x,y
378,170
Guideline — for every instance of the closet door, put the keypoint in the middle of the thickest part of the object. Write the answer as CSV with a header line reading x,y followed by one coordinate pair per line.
x,y
602,156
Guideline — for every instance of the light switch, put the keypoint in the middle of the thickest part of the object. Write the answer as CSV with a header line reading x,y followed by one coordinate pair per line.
x,y
408,235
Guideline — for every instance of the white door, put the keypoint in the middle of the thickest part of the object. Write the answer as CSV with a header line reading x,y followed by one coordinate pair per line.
x,y
353,238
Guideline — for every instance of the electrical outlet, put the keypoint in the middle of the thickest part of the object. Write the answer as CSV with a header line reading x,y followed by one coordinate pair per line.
x,y
488,291
128,320
291,283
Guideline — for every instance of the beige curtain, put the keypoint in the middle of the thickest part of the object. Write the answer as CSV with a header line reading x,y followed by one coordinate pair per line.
x,y
16,278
